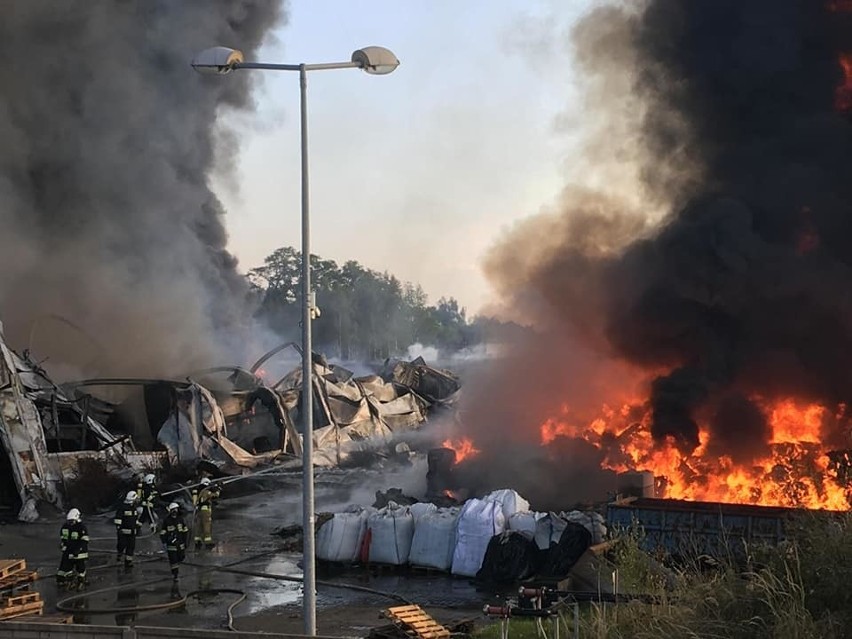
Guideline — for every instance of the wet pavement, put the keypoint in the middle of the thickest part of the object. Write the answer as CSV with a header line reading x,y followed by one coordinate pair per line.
x,y
244,528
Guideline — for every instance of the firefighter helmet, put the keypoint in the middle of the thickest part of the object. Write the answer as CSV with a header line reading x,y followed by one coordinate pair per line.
x,y
131,497
205,481
149,479
173,506
73,515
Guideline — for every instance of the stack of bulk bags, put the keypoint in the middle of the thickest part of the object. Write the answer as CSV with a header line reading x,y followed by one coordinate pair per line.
x,y
511,501
435,539
478,522
339,539
391,530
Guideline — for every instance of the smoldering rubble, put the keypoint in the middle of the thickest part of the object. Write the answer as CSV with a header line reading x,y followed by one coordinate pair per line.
x,y
229,418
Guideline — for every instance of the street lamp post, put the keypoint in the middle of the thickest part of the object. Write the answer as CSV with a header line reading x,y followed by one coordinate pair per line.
x,y
373,60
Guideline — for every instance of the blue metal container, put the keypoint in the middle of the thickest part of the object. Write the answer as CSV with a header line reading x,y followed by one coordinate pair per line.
x,y
699,528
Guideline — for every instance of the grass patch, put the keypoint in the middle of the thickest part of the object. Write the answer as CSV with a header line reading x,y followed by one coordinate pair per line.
x,y
799,589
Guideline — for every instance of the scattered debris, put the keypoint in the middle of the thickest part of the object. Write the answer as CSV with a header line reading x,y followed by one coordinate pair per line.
x,y
227,417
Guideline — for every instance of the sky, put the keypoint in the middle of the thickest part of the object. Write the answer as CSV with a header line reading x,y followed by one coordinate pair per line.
x,y
419,172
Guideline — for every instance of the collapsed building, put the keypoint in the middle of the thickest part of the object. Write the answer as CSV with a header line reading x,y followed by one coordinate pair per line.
x,y
228,417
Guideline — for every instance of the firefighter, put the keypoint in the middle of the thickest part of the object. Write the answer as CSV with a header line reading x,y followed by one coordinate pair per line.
x,y
148,498
173,534
74,542
203,498
127,526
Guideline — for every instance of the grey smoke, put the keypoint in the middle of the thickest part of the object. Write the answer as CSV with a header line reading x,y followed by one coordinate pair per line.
x,y
107,141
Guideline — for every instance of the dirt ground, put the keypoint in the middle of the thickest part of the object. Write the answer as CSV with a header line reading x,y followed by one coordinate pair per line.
x,y
244,527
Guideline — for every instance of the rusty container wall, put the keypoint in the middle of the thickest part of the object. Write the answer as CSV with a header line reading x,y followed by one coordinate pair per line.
x,y
690,528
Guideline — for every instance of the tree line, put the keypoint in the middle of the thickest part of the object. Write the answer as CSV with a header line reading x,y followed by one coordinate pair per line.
x,y
364,313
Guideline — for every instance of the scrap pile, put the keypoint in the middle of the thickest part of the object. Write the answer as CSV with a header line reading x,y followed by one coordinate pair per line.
x,y
494,539
16,597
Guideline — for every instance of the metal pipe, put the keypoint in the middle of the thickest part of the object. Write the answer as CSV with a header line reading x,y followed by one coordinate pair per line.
x,y
308,517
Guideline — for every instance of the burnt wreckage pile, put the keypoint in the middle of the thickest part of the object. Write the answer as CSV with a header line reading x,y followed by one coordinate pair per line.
x,y
230,417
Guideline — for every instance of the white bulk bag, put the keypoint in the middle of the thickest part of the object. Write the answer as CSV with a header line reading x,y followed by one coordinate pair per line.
x,y
479,521
511,501
548,530
391,530
435,539
339,539
524,522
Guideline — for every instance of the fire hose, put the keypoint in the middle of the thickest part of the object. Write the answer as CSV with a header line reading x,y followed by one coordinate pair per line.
x,y
63,605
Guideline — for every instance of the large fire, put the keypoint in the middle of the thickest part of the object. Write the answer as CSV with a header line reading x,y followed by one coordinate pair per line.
x,y
843,97
796,472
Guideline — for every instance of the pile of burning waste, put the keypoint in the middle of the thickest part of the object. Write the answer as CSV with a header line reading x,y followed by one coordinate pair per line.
x,y
691,319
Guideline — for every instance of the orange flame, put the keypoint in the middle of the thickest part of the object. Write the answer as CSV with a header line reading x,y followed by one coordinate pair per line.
x,y
795,472
840,5
463,448
843,97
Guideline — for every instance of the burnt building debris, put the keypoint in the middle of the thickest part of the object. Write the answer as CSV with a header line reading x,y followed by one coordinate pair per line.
x,y
43,433
437,386
230,417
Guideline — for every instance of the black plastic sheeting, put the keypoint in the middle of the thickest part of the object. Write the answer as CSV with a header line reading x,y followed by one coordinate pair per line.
x,y
510,556
574,541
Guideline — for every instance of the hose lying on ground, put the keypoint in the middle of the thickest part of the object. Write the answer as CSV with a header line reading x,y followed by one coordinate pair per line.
x,y
63,605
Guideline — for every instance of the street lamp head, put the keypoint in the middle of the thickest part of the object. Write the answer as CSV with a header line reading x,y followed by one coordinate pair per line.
x,y
375,60
217,60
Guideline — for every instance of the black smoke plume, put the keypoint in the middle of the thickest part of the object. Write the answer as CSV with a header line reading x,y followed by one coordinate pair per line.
x,y
743,290
107,137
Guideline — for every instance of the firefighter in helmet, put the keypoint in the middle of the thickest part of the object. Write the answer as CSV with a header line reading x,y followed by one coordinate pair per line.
x,y
148,496
127,527
173,532
203,498
74,543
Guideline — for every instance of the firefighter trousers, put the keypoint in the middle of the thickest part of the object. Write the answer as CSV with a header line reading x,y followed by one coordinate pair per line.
x,y
70,570
204,526
126,547
176,557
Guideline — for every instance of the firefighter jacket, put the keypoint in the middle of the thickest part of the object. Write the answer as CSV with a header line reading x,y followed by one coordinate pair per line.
x,y
74,540
127,520
147,495
204,499
173,532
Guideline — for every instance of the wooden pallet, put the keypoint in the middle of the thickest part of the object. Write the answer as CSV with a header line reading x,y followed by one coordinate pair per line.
x,y
416,623
19,600
40,618
9,567
35,607
18,580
